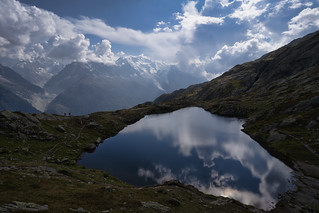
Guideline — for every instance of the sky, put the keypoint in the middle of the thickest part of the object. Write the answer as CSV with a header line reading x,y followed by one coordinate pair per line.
x,y
206,35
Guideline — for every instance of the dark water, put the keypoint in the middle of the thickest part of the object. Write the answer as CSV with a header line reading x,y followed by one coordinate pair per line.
x,y
197,148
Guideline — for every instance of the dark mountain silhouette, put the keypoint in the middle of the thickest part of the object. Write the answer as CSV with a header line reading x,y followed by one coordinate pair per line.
x,y
15,91
9,100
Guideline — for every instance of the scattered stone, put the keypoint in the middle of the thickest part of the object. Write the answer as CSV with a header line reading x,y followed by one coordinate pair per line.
x,y
49,158
22,206
48,117
275,136
50,170
311,124
23,136
288,122
29,117
221,201
64,160
60,128
173,202
79,210
156,206
90,148
93,125
4,168
98,141
3,210
25,149
13,126
8,115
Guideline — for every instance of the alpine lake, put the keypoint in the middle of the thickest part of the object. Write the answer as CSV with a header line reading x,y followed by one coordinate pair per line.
x,y
198,148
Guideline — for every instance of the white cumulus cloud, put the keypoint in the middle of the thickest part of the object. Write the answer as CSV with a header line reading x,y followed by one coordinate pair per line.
x,y
22,26
70,49
27,32
192,18
249,10
306,19
235,31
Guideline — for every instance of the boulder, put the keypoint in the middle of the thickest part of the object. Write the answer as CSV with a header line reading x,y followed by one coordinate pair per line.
x,y
156,206
288,122
275,136
98,141
311,124
90,148
24,207
60,128
173,202
80,209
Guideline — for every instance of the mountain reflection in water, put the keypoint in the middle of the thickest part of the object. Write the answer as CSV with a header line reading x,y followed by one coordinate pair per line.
x,y
207,151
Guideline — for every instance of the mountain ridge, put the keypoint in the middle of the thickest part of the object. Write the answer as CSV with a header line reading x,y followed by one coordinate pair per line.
x,y
16,91
254,71
126,82
115,86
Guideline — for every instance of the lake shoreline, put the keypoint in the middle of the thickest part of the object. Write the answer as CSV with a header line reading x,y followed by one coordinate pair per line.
x,y
86,130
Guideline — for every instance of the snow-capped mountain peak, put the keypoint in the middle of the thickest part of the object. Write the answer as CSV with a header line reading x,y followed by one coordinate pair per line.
x,y
142,64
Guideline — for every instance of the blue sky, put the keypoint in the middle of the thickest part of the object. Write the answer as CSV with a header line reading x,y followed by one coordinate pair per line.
x,y
206,35
137,14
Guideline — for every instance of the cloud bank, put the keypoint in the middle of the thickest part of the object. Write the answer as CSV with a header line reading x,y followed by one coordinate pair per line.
x,y
208,39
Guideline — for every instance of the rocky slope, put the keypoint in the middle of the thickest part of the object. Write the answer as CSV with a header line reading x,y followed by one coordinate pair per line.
x,y
37,71
83,88
15,91
9,100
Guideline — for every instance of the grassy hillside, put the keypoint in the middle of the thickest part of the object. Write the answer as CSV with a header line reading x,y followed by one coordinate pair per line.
x,y
277,95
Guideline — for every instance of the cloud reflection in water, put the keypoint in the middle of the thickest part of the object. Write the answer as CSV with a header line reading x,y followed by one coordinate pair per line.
x,y
201,149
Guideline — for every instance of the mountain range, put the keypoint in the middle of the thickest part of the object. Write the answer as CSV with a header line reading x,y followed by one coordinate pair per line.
x,y
82,88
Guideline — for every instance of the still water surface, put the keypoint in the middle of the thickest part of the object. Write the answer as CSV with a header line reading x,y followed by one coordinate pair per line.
x,y
207,151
